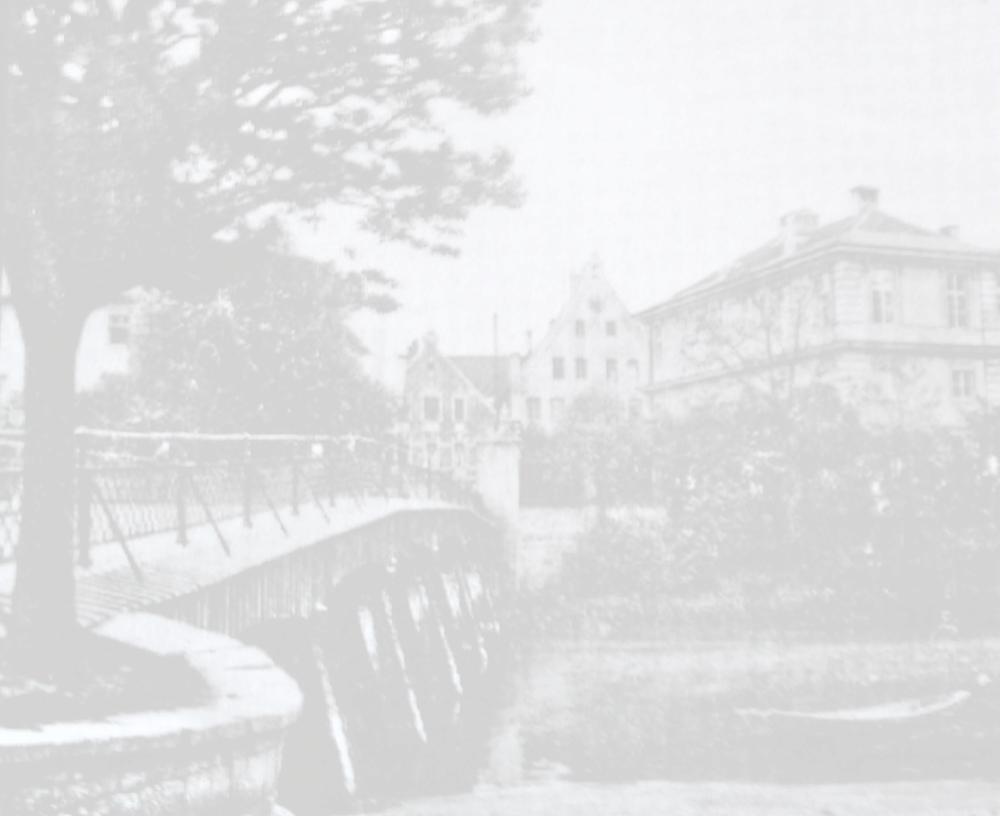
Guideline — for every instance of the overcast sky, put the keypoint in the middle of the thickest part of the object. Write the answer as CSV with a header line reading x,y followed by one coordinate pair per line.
x,y
668,137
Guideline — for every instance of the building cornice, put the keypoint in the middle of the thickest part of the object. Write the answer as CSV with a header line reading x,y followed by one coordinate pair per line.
x,y
804,261
961,350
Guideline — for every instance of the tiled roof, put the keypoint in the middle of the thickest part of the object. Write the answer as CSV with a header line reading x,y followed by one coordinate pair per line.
x,y
486,373
873,229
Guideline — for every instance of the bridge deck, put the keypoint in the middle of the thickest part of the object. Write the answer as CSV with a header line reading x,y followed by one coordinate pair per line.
x,y
109,586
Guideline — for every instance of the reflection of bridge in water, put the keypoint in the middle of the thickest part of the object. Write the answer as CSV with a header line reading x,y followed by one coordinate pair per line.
x,y
371,582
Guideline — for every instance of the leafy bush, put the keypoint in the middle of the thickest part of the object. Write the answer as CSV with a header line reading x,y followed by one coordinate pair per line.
x,y
898,530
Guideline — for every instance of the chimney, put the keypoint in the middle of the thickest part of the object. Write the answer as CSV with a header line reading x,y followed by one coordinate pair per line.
x,y
865,199
795,228
949,231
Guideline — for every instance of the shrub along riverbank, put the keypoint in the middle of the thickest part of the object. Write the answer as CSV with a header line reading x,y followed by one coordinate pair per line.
x,y
788,515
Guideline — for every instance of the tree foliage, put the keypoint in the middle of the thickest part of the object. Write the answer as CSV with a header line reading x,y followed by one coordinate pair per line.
x,y
272,353
895,527
144,141
598,454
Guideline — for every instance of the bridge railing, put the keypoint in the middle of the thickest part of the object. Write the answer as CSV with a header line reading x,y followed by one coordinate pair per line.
x,y
133,485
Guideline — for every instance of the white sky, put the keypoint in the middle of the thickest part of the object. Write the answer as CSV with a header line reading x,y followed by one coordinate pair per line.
x,y
668,136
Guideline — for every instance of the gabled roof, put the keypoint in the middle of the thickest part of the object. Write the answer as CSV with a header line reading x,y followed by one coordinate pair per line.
x,y
486,373
872,229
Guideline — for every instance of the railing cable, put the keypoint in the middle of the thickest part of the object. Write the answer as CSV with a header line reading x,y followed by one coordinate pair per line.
x,y
208,513
117,530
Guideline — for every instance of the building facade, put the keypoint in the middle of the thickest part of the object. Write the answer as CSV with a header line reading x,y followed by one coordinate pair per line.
x,y
903,321
448,404
594,345
104,348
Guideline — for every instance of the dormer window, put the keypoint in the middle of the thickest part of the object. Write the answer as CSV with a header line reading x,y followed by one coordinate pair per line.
x,y
432,408
581,328
611,328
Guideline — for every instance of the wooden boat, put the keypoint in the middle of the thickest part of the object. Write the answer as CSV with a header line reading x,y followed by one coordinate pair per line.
x,y
902,711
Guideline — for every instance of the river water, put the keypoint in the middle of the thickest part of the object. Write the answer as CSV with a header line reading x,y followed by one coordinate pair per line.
x,y
730,711
629,728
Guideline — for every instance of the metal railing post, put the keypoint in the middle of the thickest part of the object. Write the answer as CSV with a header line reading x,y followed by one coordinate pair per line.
x,y
331,487
295,483
386,459
182,477
83,501
247,486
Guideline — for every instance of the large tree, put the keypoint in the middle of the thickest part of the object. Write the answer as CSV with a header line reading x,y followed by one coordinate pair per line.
x,y
143,139
272,353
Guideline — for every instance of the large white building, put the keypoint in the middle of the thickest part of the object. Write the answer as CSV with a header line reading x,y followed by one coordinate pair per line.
x,y
903,321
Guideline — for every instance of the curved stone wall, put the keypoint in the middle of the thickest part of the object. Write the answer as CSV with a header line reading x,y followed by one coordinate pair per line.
x,y
219,758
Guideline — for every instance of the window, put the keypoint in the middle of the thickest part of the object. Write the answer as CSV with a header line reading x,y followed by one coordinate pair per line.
x,y
635,407
534,409
581,328
558,409
581,368
611,370
458,409
826,301
558,368
656,352
446,457
958,300
883,286
611,328
432,409
633,370
119,327
963,383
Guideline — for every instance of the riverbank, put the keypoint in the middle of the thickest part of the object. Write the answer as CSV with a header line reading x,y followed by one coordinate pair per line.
x,y
944,798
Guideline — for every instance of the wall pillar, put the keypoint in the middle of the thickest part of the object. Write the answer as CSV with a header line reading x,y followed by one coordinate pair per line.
x,y
498,483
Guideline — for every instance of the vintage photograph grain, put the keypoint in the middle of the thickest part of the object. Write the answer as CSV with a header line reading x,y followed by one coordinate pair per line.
x,y
500,407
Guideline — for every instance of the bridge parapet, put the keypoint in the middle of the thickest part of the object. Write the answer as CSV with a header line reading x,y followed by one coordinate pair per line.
x,y
134,485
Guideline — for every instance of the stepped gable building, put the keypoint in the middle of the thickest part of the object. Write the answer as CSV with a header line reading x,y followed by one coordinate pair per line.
x,y
903,321
594,345
450,403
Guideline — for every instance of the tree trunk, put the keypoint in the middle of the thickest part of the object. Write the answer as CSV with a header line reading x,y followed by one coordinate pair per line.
x,y
43,616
